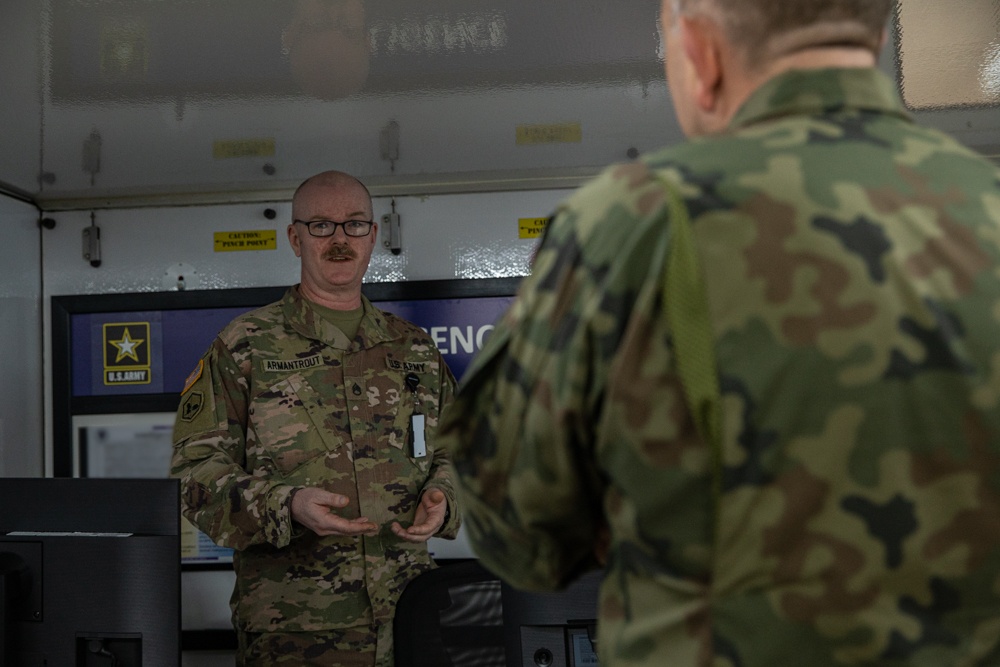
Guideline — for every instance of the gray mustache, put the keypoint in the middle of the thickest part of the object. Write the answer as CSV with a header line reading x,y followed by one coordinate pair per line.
x,y
340,251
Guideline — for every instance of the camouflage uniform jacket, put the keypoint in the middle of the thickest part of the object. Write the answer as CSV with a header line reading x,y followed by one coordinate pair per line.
x,y
852,269
282,400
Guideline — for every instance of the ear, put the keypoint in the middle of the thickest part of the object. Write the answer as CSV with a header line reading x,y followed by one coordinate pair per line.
x,y
883,40
700,41
293,239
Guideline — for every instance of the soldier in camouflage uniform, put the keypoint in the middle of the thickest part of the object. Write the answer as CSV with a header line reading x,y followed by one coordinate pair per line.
x,y
300,443
849,511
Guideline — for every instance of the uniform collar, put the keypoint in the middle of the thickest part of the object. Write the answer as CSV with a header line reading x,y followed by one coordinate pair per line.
x,y
305,320
818,91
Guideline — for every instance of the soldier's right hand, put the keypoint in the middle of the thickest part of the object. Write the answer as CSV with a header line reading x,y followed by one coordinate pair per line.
x,y
317,510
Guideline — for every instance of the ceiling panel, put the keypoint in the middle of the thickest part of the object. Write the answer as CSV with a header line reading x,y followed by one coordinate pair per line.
x,y
112,103
236,98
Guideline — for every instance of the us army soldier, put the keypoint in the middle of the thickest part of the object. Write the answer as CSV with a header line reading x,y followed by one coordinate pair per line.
x,y
304,441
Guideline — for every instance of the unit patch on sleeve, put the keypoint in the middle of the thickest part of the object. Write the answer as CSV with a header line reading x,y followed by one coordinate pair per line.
x,y
195,374
406,366
192,405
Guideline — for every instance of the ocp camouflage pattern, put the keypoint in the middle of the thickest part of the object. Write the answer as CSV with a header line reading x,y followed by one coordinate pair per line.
x,y
342,647
285,400
851,267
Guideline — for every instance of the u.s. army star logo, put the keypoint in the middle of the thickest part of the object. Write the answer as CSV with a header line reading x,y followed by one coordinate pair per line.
x,y
126,353
192,405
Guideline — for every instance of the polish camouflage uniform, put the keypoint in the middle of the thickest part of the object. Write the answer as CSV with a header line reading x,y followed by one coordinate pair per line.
x,y
852,269
283,400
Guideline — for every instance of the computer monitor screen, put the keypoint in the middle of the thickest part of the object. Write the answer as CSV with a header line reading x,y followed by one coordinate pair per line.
x,y
552,629
89,572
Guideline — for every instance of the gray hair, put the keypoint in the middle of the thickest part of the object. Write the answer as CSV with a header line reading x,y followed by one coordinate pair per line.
x,y
764,29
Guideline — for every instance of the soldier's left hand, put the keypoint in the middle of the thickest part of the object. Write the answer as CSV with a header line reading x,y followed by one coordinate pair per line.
x,y
428,519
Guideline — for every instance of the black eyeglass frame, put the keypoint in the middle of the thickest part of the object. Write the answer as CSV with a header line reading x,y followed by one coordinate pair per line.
x,y
310,223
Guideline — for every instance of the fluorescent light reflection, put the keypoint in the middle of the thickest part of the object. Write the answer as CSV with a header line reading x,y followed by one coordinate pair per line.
x,y
989,75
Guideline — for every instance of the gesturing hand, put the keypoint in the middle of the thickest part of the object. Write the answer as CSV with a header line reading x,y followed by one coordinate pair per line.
x,y
316,510
428,519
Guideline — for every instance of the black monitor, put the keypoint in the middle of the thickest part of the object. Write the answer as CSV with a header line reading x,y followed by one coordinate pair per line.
x,y
90,572
552,629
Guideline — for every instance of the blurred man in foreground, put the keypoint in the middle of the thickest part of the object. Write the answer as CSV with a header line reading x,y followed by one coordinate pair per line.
x,y
758,374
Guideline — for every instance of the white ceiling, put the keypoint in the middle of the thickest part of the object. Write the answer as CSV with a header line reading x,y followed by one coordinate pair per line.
x,y
110,103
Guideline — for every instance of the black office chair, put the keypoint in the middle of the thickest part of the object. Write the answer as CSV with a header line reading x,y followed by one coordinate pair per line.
x,y
450,617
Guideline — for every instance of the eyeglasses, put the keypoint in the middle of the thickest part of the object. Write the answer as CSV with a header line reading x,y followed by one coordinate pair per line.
x,y
354,228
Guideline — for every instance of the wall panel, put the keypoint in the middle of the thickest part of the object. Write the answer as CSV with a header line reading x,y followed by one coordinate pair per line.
x,y
20,341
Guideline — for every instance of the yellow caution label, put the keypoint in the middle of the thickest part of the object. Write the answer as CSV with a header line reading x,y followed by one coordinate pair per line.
x,y
563,133
222,150
531,228
264,239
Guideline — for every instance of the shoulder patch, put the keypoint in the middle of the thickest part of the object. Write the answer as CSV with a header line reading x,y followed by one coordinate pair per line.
x,y
192,405
405,366
193,377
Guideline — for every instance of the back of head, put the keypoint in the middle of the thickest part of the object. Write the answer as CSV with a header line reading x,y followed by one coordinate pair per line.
x,y
768,29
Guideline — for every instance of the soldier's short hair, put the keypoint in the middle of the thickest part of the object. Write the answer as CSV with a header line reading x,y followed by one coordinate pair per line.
x,y
330,178
756,25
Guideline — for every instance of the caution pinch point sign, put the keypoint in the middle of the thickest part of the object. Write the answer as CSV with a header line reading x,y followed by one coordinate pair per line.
x,y
264,239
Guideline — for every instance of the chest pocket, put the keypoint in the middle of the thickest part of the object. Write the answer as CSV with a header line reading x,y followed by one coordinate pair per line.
x,y
403,395
290,424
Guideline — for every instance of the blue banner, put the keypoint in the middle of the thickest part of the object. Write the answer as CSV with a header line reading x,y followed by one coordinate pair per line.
x,y
152,352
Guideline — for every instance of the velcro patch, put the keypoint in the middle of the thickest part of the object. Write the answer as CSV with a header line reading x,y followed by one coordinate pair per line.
x,y
290,365
406,366
195,374
192,405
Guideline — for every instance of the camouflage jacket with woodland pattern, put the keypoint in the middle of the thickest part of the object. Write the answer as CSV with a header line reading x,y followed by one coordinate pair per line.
x,y
852,269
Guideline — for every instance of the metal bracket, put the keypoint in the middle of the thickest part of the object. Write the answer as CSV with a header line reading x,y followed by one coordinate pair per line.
x,y
92,243
180,277
92,154
389,143
391,231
